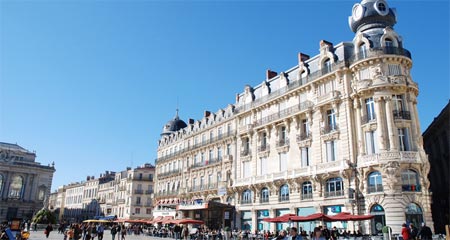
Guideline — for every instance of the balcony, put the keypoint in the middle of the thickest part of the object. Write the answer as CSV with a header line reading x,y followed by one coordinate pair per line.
x,y
303,136
375,188
212,185
169,173
246,128
377,52
283,198
167,193
337,193
197,188
263,148
283,142
195,146
245,152
332,95
306,196
138,191
284,113
411,188
368,118
137,204
384,157
329,129
246,201
148,192
264,199
405,115
206,163
120,201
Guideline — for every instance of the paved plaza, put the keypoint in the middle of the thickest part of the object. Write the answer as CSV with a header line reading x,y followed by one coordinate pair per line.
x,y
39,235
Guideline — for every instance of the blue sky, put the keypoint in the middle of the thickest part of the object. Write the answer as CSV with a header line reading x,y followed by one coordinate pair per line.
x,y
89,84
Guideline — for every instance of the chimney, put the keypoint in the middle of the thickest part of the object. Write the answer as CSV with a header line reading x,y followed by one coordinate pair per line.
x,y
88,178
270,74
302,57
92,177
207,113
325,43
191,121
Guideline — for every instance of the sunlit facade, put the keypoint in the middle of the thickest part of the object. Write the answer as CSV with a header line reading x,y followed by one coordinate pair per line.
x,y
24,183
338,132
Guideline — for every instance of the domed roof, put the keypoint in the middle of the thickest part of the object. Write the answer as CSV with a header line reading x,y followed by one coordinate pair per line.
x,y
173,125
371,14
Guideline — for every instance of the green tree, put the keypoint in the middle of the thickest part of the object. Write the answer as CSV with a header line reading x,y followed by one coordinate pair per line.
x,y
44,216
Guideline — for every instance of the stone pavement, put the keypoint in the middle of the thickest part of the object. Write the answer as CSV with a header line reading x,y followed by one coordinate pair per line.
x,y
39,235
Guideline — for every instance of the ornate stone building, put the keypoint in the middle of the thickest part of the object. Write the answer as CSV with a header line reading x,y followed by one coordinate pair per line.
x,y
338,132
436,140
24,183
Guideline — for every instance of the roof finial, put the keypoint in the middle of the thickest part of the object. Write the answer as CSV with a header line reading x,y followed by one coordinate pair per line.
x,y
177,109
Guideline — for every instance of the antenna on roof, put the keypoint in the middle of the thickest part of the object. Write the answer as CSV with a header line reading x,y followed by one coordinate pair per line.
x,y
177,108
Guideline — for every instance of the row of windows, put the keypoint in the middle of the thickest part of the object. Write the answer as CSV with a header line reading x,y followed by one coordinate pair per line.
x,y
335,187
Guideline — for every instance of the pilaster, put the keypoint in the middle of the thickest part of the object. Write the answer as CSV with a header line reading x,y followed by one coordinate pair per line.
x,y
380,123
392,131
360,141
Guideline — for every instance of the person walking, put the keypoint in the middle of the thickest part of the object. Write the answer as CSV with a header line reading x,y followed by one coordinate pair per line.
x,y
48,229
294,234
406,233
113,232
425,233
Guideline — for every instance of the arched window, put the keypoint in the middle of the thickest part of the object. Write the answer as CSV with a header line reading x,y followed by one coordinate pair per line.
x,y
413,214
264,195
284,193
379,220
307,192
247,197
41,193
326,67
334,187
362,51
16,186
410,181
374,182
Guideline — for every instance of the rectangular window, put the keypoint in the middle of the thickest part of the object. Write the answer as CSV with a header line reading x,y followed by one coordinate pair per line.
x,y
219,132
194,183
305,156
394,69
137,211
219,153
283,162
211,135
148,211
202,157
138,200
202,182
263,165
397,102
219,177
331,119
263,139
246,169
210,180
211,154
305,128
371,142
228,149
370,109
331,151
403,138
203,138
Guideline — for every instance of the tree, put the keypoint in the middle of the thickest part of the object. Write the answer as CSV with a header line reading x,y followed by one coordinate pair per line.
x,y
44,216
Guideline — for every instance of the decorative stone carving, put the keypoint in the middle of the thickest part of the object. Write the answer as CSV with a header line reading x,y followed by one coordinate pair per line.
x,y
391,170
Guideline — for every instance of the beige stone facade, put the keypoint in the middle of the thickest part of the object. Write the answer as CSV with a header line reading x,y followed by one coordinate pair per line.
x,y
24,183
338,132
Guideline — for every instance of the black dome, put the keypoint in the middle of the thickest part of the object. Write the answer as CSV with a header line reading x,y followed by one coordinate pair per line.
x,y
373,14
173,125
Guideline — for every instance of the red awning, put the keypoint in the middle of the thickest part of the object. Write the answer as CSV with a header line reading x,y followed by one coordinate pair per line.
x,y
281,219
349,217
158,219
167,220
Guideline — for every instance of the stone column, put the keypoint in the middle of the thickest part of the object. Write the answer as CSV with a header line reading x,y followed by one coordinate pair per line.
x,y
416,138
380,123
254,220
392,129
360,141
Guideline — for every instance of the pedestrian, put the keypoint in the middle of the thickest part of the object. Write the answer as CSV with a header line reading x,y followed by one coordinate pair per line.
x,y
123,232
414,231
425,233
317,234
113,232
294,234
48,229
406,233
100,230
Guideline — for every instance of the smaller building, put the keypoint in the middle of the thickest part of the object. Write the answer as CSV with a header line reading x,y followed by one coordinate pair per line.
x,y
436,141
24,183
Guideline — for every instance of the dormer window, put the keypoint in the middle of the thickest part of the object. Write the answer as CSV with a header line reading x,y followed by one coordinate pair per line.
x,y
381,7
362,51
326,67
389,43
